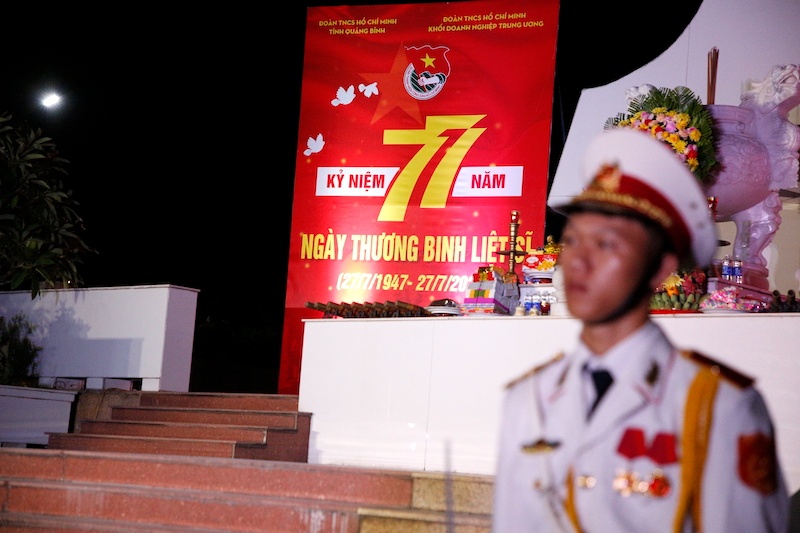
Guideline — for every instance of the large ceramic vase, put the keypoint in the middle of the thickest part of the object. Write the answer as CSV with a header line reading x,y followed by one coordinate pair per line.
x,y
743,189
757,148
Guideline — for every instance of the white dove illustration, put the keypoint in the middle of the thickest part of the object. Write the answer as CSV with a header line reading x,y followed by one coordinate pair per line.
x,y
314,145
368,90
343,96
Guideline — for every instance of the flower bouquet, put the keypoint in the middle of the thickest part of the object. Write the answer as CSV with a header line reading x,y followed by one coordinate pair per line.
x,y
676,117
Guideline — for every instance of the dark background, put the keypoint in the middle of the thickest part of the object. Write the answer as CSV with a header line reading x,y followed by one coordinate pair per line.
x,y
181,132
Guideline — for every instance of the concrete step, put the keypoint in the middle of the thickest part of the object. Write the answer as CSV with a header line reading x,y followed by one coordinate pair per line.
x,y
254,435
393,521
175,423
461,493
272,478
150,445
190,415
97,404
282,445
226,400
155,493
36,523
151,507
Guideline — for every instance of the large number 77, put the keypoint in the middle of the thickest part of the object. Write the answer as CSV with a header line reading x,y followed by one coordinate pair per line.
x,y
431,138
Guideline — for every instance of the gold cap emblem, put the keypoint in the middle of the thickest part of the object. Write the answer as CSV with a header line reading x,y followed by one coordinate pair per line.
x,y
607,179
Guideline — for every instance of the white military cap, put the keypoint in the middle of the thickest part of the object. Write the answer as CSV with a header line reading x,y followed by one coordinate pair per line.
x,y
629,170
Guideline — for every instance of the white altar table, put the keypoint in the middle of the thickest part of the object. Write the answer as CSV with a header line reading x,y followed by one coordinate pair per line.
x,y
425,393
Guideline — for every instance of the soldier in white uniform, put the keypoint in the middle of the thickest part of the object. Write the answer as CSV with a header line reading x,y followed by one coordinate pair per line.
x,y
679,442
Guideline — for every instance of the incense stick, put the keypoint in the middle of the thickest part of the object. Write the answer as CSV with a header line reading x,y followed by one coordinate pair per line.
x,y
713,58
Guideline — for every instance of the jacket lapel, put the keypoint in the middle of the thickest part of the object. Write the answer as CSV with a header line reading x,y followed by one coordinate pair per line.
x,y
640,385
566,417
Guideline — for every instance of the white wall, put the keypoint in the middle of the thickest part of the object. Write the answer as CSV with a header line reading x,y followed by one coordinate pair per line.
x,y
134,332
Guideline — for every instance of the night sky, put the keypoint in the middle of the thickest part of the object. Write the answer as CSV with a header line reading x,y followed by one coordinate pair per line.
x,y
181,131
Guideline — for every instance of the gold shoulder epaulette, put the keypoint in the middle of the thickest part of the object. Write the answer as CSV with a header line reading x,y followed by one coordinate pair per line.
x,y
535,370
730,374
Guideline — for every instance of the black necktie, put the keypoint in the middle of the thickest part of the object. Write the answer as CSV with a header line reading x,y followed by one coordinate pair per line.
x,y
602,381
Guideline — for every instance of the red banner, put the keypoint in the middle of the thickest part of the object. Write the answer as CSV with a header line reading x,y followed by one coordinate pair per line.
x,y
422,126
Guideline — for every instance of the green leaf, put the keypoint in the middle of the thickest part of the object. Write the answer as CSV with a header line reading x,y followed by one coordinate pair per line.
x,y
40,229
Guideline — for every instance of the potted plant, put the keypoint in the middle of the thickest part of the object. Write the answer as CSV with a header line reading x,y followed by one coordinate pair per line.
x,y
40,243
18,353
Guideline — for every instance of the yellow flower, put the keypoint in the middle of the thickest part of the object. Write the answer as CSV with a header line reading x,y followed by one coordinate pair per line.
x,y
672,284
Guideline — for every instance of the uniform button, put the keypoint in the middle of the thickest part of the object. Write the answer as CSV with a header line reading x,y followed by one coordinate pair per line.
x,y
586,482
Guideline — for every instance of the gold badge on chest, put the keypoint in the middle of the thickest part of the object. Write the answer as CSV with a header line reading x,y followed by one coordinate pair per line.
x,y
540,446
655,484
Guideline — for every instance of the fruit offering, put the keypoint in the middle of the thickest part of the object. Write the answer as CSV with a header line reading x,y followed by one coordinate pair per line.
x,y
681,291
679,301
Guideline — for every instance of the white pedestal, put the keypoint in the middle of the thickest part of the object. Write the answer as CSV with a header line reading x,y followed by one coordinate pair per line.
x,y
28,414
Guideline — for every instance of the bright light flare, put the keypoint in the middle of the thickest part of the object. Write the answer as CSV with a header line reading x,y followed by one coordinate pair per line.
x,y
51,100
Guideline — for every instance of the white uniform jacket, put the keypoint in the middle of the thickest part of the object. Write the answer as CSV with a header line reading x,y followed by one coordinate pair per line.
x,y
621,471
